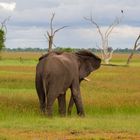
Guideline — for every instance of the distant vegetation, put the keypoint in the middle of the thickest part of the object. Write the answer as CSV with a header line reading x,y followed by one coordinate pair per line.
x,y
67,49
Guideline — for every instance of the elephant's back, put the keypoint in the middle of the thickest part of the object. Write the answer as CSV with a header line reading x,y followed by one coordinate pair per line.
x,y
60,70
60,63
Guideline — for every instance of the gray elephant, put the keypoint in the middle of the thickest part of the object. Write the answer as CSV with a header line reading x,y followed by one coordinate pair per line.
x,y
58,71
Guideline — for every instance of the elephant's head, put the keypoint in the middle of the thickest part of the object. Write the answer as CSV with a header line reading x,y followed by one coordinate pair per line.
x,y
88,62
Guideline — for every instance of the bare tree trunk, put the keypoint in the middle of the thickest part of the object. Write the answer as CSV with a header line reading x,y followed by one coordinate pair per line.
x,y
105,49
50,35
129,58
50,43
135,47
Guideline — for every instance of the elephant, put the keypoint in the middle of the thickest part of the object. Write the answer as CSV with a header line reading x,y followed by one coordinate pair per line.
x,y
58,71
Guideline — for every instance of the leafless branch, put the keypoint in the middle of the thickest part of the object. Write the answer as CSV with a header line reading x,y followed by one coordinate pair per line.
x,y
46,37
59,29
113,25
110,28
136,44
3,24
54,45
90,19
51,23
48,34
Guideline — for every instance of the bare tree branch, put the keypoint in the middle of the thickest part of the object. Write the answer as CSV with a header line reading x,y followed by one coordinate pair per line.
x,y
46,37
136,44
3,24
110,28
113,25
59,29
54,45
50,35
51,23
94,23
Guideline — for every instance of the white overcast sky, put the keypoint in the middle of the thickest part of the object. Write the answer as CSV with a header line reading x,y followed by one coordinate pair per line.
x,y
30,19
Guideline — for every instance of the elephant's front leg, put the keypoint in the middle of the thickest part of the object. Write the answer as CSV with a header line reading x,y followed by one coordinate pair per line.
x,y
62,104
75,90
71,103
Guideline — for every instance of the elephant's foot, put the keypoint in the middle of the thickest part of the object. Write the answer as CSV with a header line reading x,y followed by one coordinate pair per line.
x,y
43,109
49,111
81,114
69,112
63,115
62,112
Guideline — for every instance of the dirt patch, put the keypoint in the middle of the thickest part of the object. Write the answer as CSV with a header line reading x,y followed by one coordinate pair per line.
x,y
8,134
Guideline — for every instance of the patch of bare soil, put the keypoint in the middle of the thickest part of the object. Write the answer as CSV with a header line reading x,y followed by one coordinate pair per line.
x,y
8,134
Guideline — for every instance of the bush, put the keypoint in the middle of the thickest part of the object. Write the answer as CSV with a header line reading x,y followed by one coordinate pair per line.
x,y
2,39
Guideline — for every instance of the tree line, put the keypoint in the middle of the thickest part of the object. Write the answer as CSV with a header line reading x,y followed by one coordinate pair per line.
x,y
67,49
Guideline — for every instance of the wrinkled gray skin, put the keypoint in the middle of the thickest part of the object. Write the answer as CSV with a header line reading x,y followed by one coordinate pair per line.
x,y
58,71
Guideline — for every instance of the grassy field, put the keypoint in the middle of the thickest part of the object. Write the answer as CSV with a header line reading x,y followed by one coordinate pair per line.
x,y
111,101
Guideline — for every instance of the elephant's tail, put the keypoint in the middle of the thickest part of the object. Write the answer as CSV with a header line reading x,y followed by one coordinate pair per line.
x,y
40,90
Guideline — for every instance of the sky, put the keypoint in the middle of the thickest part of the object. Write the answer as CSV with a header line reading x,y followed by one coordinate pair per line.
x,y
29,21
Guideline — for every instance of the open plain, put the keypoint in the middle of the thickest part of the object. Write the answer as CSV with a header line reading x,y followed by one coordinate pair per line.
x,y
111,101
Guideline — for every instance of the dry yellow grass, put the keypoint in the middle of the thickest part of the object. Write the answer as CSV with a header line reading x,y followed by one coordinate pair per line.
x,y
22,55
65,135
111,100
18,68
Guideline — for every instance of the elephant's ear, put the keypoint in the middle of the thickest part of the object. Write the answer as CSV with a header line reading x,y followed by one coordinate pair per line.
x,y
85,68
88,62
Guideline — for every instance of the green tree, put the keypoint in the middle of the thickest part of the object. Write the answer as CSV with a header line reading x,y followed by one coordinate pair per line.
x,y
2,39
3,31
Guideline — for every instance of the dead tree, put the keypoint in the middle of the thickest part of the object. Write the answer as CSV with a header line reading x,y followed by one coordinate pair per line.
x,y
136,45
50,35
106,51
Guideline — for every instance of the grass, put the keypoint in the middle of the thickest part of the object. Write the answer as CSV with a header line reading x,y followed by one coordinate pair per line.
x,y
111,100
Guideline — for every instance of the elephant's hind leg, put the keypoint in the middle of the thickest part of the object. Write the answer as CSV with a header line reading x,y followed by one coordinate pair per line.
x,y
71,103
62,104
50,100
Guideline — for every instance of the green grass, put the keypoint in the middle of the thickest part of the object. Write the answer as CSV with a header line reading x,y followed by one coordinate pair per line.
x,y
96,123
111,100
